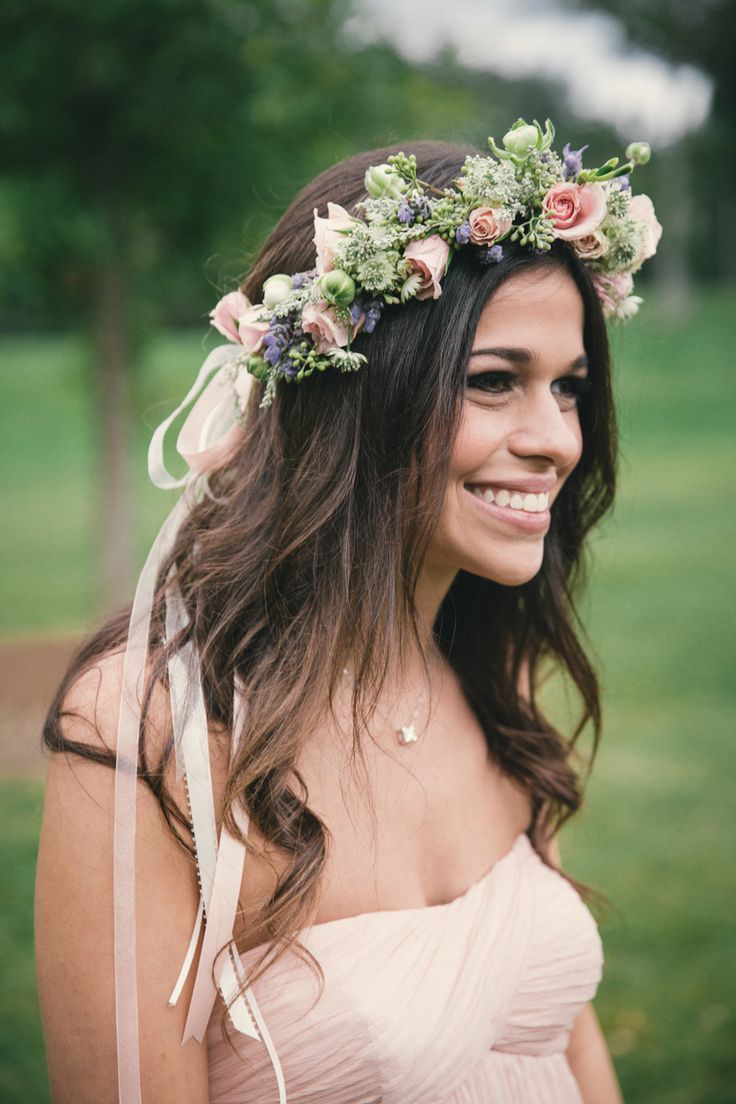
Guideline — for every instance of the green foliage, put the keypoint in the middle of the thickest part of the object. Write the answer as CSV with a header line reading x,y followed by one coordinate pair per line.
x,y
167,136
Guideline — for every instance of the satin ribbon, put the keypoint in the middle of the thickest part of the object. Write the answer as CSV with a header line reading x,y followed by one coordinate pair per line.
x,y
126,771
206,441
212,429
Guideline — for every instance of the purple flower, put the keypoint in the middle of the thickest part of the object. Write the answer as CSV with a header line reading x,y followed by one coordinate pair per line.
x,y
276,341
372,317
369,309
492,255
624,183
573,160
299,279
462,234
405,213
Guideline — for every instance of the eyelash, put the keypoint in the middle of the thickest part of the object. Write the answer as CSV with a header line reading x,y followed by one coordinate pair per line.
x,y
488,382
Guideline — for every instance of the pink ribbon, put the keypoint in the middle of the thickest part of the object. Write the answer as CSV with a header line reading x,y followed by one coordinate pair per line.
x,y
206,441
212,429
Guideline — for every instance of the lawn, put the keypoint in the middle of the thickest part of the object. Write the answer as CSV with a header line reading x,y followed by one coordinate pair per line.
x,y
655,832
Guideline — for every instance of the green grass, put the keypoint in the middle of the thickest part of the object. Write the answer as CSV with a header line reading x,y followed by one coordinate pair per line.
x,y
22,1065
654,834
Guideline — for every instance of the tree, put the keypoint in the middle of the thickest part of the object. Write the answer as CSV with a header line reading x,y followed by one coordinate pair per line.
x,y
133,131
700,34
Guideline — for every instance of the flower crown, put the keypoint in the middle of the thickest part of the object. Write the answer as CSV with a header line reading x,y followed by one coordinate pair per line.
x,y
401,249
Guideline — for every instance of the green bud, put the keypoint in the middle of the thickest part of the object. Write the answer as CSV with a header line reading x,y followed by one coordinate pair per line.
x,y
257,367
338,288
381,180
521,138
639,152
275,290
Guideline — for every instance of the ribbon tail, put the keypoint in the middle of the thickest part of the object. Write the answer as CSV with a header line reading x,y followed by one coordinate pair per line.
x,y
126,772
188,957
218,933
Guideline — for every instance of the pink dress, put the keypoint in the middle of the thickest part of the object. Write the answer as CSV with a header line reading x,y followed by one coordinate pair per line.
x,y
469,1002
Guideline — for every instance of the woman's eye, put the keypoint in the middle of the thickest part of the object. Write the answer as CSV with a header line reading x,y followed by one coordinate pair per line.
x,y
493,383
571,390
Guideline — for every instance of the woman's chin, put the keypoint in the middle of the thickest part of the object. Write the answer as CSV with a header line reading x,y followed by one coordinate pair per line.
x,y
512,572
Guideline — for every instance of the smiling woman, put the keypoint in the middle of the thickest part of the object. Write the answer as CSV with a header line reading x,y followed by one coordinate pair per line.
x,y
348,626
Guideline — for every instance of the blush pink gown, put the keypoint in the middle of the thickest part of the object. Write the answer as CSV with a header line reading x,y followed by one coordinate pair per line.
x,y
469,1002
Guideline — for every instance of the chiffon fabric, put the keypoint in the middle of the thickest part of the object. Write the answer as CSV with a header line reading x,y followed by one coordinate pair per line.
x,y
460,1003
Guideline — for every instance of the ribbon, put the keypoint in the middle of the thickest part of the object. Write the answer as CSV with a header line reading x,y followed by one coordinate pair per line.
x,y
126,772
206,441
212,430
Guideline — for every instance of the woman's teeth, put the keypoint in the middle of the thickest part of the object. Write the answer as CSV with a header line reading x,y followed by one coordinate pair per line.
x,y
530,503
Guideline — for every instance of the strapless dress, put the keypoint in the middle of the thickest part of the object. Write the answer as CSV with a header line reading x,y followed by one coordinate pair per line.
x,y
469,1002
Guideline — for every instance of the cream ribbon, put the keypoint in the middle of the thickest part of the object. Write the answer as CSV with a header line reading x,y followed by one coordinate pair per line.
x,y
212,429
206,441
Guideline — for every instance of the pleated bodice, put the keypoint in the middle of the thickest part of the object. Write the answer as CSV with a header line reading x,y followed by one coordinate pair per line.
x,y
461,1003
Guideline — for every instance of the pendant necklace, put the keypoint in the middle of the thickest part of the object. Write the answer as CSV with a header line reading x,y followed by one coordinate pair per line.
x,y
406,734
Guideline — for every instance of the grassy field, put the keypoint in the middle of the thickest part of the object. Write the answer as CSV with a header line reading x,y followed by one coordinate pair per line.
x,y
659,818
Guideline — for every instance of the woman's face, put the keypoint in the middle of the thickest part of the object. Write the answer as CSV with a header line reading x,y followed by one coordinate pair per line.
x,y
520,434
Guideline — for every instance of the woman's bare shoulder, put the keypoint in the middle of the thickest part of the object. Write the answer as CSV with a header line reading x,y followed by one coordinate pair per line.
x,y
74,895
90,708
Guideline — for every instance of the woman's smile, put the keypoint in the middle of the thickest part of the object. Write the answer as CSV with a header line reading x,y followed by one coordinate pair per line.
x,y
527,512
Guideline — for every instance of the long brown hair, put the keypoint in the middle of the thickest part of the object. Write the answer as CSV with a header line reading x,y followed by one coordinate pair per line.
x,y
311,544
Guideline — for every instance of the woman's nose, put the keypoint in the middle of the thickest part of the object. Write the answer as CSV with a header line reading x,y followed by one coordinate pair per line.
x,y
544,430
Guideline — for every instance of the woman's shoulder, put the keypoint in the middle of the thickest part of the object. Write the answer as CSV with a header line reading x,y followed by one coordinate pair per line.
x,y
87,710
74,895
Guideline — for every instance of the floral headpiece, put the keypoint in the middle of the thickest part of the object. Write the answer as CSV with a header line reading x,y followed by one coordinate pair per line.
x,y
401,249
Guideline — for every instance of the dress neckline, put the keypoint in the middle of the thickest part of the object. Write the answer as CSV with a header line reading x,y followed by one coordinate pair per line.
x,y
521,842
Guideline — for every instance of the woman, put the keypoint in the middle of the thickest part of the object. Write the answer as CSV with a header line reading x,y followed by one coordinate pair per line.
x,y
381,561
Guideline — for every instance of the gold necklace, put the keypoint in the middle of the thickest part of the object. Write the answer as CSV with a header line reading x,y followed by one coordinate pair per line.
x,y
406,734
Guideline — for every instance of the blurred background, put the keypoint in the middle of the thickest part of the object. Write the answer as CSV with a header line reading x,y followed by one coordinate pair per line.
x,y
147,148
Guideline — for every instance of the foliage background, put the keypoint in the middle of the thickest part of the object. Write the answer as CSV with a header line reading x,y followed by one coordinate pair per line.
x,y
147,147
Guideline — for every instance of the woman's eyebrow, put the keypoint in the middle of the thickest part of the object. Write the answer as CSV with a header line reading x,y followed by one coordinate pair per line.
x,y
523,356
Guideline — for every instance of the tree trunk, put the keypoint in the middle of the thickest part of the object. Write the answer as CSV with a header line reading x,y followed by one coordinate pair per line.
x,y
112,341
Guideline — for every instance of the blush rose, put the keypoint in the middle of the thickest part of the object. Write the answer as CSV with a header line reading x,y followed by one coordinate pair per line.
x,y
225,315
575,210
487,225
642,209
328,234
428,258
591,246
327,330
250,330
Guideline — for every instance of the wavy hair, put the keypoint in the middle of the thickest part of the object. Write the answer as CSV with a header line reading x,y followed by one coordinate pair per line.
x,y
310,547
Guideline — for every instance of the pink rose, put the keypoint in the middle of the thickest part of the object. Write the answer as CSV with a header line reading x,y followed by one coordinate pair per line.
x,y
591,246
613,290
328,234
428,257
487,226
327,330
642,209
575,210
224,316
250,330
